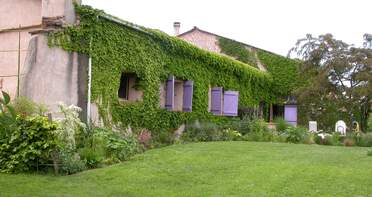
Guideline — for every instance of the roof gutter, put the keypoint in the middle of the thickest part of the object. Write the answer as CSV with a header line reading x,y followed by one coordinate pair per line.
x,y
124,23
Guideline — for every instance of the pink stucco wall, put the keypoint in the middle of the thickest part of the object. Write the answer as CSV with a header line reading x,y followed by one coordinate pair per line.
x,y
209,42
12,15
28,14
202,40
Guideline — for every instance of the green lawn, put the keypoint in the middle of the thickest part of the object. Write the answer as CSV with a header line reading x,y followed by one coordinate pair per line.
x,y
215,169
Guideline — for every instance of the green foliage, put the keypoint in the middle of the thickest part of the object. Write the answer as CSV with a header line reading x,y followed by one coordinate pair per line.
x,y
8,121
71,128
93,157
295,134
369,123
365,140
27,145
369,152
230,134
258,131
71,163
121,147
202,132
237,50
152,56
284,72
23,106
281,124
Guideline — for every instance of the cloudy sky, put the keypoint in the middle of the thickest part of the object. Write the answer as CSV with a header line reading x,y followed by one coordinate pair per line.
x,y
269,24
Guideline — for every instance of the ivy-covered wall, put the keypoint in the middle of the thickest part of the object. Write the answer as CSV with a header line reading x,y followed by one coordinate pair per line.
x,y
284,71
153,55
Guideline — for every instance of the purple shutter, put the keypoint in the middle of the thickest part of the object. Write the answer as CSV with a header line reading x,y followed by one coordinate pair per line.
x,y
187,95
290,114
230,103
216,100
169,101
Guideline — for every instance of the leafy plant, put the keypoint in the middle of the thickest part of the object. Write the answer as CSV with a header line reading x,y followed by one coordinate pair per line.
x,y
28,145
70,127
295,134
230,134
23,106
8,121
258,131
369,152
281,124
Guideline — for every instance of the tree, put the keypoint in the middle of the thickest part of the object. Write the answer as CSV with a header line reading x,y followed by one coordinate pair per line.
x,y
337,79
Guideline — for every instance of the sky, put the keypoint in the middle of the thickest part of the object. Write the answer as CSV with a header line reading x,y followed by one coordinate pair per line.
x,y
273,25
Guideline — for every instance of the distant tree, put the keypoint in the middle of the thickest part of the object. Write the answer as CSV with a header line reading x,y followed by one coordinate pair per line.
x,y
337,79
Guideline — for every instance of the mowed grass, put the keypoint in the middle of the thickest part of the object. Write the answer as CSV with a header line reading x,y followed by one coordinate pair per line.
x,y
214,169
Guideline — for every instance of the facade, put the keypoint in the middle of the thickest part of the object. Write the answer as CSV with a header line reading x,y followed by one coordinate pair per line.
x,y
28,67
144,79
212,42
18,19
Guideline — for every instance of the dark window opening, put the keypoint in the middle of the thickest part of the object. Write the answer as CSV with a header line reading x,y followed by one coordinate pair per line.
x,y
124,86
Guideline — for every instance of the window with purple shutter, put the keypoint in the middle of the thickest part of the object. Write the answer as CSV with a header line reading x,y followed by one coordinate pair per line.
x,y
230,103
290,114
216,100
169,101
187,95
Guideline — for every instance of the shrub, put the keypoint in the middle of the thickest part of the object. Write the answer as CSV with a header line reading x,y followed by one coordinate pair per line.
x,y
295,134
258,131
309,138
365,140
30,143
369,123
281,124
8,121
197,131
121,147
71,128
230,134
92,156
369,152
24,107
71,163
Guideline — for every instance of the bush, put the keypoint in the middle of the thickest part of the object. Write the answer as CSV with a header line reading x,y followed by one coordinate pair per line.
x,y
121,147
93,157
365,140
24,107
295,134
71,163
281,124
230,134
258,131
8,121
369,152
369,123
202,132
28,145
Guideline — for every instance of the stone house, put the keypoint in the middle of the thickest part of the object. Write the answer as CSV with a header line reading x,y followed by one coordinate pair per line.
x,y
31,67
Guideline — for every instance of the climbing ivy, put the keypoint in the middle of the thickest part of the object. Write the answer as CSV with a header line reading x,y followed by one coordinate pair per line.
x,y
237,50
153,55
284,72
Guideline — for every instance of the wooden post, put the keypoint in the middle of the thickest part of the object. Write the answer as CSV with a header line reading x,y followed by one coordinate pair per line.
x,y
271,113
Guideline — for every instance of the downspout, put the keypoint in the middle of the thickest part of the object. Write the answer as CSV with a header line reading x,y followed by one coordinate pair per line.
x,y
89,83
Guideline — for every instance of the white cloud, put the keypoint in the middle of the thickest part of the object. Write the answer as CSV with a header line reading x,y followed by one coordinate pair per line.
x,y
269,24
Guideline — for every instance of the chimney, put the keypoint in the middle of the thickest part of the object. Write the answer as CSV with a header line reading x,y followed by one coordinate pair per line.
x,y
176,26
